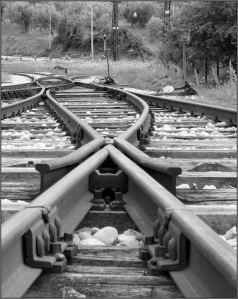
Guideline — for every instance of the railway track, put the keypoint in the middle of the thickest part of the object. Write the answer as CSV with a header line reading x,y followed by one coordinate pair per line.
x,y
110,159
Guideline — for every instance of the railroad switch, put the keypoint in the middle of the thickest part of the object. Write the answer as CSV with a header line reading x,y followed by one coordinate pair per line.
x,y
169,252
46,246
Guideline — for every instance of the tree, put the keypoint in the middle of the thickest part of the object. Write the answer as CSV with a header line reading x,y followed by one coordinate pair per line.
x,y
138,14
213,34
20,13
155,29
41,16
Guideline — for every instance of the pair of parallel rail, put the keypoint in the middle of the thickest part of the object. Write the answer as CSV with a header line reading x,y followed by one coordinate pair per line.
x,y
176,240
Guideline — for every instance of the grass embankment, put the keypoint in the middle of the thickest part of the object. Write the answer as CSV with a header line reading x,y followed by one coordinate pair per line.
x,y
16,42
137,74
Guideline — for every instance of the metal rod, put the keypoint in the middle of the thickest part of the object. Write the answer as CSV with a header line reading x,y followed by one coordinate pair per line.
x,y
50,29
92,49
184,62
115,30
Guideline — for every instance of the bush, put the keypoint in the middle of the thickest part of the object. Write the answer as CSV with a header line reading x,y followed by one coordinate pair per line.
x,y
138,14
154,29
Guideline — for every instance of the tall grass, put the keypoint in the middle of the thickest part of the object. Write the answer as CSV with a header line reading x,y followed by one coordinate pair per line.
x,y
135,73
148,75
223,95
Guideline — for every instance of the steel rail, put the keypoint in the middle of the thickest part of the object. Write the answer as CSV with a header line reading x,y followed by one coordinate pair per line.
x,y
164,173
33,87
207,248
71,121
66,83
91,141
141,126
69,199
214,112
54,169
17,86
210,258
18,107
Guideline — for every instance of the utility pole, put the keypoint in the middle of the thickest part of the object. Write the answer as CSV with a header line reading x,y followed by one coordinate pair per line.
x,y
115,30
184,61
185,38
106,53
167,14
92,50
50,29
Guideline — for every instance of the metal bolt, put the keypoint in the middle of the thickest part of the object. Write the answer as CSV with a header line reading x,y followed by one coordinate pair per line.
x,y
172,249
46,239
156,227
53,232
166,240
58,225
39,246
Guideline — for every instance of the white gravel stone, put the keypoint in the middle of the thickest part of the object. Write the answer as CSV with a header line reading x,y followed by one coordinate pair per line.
x,y
207,187
128,240
232,242
84,235
132,232
231,233
94,230
91,242
108,235
76,240
183,186
25,137
168,89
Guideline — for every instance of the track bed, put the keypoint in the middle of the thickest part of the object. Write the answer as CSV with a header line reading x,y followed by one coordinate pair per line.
x,y
86,144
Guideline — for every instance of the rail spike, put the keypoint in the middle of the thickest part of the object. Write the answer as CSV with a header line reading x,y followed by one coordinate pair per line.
x,y
45,241
170,250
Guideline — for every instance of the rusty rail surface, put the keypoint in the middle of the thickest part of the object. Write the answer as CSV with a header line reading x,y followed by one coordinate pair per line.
x,y
199,261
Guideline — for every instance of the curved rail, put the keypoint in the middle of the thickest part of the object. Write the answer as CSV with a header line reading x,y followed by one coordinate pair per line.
x,y
195,254
58,82
165,173
18,107
17,86
213,112
141,127
52,170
